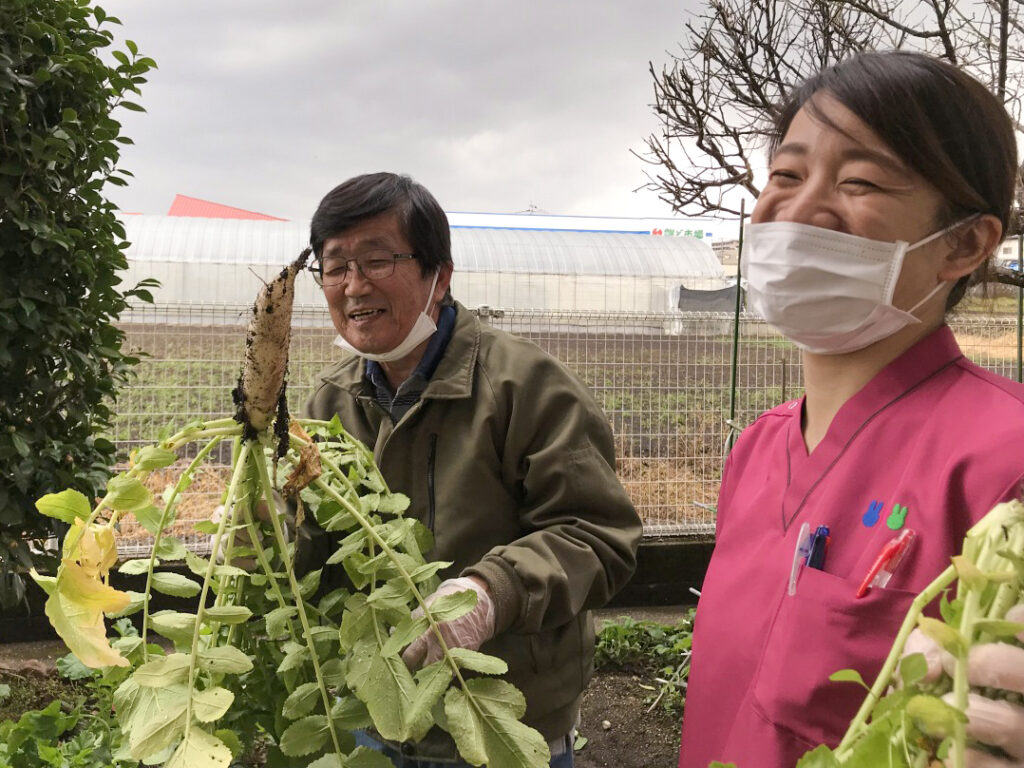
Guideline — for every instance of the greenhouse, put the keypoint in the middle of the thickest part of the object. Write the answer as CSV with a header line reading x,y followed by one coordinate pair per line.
x,y
218,261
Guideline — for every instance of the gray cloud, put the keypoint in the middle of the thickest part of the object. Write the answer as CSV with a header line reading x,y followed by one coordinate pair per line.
x,y
492,105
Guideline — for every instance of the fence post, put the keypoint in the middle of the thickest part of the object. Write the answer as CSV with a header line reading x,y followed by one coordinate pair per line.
x,y
1020,306
730,439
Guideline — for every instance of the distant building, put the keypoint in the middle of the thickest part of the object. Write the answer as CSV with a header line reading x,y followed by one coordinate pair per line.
x,y
727,251
1008,252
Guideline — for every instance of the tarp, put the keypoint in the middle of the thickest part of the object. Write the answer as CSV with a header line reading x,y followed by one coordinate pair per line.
x,y
722,300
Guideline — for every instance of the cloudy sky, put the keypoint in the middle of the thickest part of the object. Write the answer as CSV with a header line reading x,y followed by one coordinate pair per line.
x,y
494,106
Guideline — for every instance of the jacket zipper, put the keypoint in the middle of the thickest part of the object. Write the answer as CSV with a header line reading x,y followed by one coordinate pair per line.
x,y
431,461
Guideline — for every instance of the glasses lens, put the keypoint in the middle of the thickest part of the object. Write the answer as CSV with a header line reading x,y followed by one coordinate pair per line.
x,y
372,265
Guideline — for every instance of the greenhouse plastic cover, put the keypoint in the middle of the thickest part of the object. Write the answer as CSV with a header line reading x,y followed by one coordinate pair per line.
x,y
531,251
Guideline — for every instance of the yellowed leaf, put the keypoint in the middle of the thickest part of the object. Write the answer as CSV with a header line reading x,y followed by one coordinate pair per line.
x,y
97,549
76,608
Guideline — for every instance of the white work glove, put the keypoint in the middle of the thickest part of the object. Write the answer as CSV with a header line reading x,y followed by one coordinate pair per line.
x,y
471,630
989,665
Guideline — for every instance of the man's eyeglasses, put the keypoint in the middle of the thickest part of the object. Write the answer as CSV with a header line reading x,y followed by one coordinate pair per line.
x,y
372,265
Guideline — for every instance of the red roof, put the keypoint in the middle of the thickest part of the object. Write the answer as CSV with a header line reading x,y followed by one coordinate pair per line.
x,y
184,205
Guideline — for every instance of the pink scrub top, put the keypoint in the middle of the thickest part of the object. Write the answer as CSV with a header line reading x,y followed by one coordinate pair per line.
x,y
931,443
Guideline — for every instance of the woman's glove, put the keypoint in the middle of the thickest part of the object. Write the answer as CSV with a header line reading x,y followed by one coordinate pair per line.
x,y
989,665
471,630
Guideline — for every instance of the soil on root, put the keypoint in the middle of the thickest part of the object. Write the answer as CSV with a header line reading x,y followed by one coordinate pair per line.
x,y
634,738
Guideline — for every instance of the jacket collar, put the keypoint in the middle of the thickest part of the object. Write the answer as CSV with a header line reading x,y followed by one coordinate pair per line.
x,y
453,377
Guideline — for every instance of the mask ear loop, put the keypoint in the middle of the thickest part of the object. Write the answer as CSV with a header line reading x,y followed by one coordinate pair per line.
x,y
926,240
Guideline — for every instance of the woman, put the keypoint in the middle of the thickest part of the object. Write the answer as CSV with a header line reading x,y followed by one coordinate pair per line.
x,y
891,181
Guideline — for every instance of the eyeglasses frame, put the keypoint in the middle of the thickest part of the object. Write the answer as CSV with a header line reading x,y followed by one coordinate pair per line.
x,y
317,268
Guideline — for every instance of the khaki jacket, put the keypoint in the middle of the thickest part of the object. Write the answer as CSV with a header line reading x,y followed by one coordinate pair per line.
x,y
509,461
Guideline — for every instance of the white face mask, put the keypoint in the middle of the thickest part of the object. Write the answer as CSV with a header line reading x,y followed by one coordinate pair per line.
x,y
828,292
423,329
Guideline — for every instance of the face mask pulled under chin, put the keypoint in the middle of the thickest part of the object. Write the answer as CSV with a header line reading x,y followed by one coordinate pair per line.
x,y
828,292
422,330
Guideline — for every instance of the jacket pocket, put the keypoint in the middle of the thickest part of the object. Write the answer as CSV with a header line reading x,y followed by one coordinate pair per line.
x,y
818,631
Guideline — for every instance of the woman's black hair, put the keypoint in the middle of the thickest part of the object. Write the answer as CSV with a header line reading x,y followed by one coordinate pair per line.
x,y
939,120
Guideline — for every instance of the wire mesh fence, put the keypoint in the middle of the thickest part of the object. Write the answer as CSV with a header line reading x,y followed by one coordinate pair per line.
x,y
664,380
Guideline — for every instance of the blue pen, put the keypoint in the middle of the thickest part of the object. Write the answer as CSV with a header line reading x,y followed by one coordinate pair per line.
x,y
816,557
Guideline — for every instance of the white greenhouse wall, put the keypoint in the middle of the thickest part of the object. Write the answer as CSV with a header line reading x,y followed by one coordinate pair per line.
x,y
222,262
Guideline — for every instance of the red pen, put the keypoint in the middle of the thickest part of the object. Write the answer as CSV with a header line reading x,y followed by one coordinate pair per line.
x,y
888,560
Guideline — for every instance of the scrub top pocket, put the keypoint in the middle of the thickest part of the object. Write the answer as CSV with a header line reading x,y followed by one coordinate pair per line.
x,y
791,687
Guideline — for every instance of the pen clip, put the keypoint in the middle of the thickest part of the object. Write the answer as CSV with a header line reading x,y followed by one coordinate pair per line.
x,y
800,553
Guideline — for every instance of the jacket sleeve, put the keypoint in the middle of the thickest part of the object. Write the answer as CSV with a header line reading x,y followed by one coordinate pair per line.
x,y
580,529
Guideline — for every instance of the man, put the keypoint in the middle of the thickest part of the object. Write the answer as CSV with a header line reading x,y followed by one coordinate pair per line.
x,y
504,453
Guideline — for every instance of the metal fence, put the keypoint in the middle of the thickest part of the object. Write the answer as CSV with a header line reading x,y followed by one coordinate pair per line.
x,y
664,381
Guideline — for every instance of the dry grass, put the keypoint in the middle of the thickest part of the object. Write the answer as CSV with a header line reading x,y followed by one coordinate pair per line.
x,y
195,504
1002,347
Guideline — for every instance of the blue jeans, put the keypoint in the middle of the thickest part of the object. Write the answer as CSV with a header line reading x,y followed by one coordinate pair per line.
x,y
563,760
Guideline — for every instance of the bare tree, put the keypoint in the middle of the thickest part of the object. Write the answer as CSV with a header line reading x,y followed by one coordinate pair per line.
x,y
739,58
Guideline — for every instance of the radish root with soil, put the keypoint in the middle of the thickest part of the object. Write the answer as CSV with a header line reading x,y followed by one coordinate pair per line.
x,y
265,657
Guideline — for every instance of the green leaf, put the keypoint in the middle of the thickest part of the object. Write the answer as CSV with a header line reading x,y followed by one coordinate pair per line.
x,y
407,630
177,627
65,506
364,757
170,548
224,659
333,761
333,672
301,701
277,621
351,544
135,567
478,662
135,602
431,683
211,704
999,627
153,457
388,692
305,736
127,494
427,570
487,730
200,750
163,672
350,714
196,564
164,723
293,660
913,668
448,607
393,504
969,573
945,635
231,740
175,584
227,614
149,518
848,676
819,757
391,595
20,445
933,716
